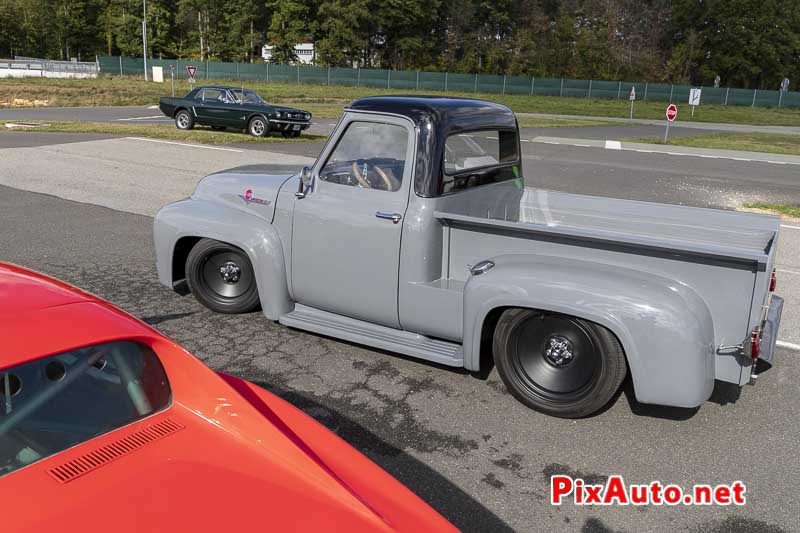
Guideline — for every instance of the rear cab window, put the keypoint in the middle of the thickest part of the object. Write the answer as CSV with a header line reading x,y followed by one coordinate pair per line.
x,y
54,403
479,157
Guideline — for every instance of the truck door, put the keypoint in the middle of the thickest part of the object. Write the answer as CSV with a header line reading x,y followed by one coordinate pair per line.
x,y
346,232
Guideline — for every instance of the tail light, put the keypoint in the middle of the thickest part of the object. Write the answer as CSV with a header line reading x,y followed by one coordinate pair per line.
x,y
773,281
755,343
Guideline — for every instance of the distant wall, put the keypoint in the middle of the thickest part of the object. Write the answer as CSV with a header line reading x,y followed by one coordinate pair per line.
x,y
35,68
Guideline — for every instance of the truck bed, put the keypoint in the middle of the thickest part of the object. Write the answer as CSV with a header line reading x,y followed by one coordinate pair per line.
x,y
742,237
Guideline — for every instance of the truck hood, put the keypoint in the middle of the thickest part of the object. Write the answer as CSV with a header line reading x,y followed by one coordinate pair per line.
x,y
733,235
251,188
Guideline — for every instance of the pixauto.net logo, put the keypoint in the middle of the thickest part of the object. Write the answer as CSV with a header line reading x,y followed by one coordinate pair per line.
x,y
615,492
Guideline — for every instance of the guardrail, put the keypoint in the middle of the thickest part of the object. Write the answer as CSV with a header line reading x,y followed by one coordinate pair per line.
x,y
450,82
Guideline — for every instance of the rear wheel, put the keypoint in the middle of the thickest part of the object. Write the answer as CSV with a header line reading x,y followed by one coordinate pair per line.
x,y
221,277
184,120
557,364
258,127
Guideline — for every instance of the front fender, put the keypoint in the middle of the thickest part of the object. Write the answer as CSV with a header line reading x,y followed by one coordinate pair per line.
x,y
257,237
664,326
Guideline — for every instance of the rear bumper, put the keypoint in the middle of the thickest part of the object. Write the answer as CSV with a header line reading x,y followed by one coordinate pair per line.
x,y
770,334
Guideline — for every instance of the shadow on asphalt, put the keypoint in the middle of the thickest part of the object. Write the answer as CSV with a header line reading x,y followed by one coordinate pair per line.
x,y
457,506
723,394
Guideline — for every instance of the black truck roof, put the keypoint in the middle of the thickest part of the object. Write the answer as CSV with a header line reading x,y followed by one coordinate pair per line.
x,y
436,118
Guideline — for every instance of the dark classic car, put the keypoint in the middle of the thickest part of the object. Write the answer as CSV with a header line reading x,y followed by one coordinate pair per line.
x,y
235,108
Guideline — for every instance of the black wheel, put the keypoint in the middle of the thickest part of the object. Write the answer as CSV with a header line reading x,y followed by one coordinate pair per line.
x,y
557,364
184,120
258,127
221,277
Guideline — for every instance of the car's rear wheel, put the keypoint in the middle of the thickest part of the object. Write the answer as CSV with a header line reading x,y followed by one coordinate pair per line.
x,y
184,120
258,127
557,364
221,277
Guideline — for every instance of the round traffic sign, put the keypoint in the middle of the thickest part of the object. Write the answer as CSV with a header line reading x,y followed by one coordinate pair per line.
x,y
672,112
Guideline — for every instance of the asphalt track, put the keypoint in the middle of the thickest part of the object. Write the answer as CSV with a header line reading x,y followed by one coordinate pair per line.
x,y
458,440
322,126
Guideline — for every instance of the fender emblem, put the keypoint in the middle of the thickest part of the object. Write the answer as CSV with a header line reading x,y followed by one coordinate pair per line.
x,y
250,198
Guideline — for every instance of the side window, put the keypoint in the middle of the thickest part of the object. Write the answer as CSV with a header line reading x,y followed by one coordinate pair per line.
x,y
54,403
211,95
369,155
479,157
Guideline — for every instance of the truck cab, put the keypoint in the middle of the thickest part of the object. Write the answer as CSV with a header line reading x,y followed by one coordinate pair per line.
x,y
416,232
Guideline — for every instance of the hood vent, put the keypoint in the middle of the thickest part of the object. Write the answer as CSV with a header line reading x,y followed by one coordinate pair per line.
x,y
105,454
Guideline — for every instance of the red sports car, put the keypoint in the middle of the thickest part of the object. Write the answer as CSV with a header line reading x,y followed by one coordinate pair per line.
x,y
106,425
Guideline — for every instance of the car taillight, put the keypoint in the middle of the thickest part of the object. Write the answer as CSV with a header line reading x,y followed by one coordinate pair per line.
x,y
755,343
773,281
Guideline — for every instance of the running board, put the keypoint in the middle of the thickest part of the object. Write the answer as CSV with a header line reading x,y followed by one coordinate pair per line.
x,y
358,331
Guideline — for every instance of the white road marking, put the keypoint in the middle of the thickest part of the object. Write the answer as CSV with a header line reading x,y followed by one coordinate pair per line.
x,y
525,140
789,345
185,144
790,227
613,145
146,118
153,107
787,271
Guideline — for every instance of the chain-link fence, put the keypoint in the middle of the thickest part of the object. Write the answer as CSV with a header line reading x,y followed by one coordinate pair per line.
x,y
448,81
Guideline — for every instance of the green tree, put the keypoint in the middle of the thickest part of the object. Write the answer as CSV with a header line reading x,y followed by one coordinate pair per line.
x,y
344,35
287,28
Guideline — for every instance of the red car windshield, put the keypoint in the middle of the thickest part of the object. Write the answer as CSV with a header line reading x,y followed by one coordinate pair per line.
x,y
54,403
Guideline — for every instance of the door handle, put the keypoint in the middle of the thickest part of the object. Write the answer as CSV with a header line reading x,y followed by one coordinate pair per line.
x,y
394,217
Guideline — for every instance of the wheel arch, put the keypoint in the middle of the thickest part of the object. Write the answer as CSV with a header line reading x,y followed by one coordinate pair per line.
x,y
179,109
179,226
665,328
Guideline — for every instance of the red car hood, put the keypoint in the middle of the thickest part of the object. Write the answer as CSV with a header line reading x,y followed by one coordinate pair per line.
x,y
234,458
199,478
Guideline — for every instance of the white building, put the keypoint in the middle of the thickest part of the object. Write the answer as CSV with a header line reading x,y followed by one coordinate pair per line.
x,y
304,52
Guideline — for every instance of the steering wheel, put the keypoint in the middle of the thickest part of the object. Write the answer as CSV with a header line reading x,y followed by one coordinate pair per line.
x,y
387,181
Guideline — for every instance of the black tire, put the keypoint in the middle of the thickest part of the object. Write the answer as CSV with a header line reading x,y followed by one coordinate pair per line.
x,y
184,120
231,291
258,126
557,364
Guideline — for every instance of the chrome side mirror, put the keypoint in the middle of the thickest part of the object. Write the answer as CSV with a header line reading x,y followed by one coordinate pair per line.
x,y
305,182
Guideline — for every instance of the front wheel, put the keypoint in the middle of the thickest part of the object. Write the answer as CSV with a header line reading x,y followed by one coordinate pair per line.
x,y
221,277
557,364
184,120
258,127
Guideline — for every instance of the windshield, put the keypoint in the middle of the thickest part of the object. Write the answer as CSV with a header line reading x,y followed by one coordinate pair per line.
x,y
52,404
246,96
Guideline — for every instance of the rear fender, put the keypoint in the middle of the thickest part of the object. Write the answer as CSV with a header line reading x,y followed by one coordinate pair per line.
x,y
664,326
255,236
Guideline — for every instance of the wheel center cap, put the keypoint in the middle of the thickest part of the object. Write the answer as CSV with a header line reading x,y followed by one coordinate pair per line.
x,y
230,272
559,350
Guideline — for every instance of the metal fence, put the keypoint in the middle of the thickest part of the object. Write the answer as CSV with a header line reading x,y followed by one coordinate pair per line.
x,y
448,81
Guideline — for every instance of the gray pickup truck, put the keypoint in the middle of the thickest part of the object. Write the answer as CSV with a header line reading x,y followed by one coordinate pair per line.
x,y
414,232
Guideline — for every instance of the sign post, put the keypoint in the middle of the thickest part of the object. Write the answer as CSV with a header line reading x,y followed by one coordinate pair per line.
x,y
694,98
192,70
172,75
672,113
632,98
